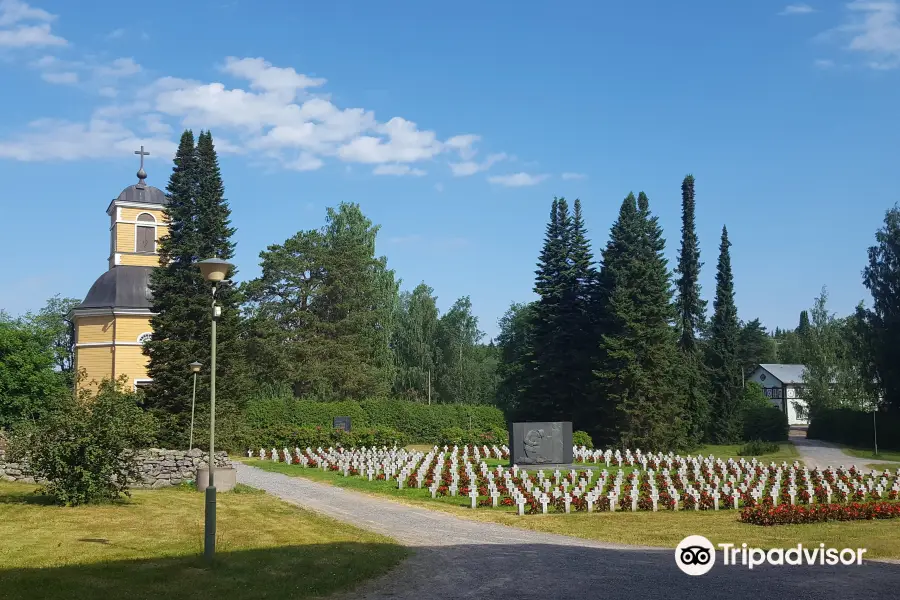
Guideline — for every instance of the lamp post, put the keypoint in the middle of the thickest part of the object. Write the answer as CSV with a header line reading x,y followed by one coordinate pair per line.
x,y
214,270
195,368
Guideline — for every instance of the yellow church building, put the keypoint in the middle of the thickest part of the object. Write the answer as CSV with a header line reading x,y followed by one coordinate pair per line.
x,y
113,321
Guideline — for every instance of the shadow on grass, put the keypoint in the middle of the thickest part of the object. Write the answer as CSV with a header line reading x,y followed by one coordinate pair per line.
x,y
282,573
473,571
26,497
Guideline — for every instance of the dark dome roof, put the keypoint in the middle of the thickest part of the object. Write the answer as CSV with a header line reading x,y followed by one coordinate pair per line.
x,y
123,286
146,194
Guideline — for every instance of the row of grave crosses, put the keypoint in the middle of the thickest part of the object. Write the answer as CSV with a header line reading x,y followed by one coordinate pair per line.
x,y
743,476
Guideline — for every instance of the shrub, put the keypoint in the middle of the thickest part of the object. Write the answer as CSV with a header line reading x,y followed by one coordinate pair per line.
x,y
582,438
286,436
757,448
761,419
85,447
855,428
792,514
415,422
454,436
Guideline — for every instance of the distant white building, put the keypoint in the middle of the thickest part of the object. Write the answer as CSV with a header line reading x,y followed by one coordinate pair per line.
x,y
783,385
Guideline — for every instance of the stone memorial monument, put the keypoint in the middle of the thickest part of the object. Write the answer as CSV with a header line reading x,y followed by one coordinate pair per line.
x,y
540,443
341,423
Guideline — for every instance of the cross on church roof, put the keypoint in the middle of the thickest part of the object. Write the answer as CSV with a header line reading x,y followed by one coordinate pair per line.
x,y
142,174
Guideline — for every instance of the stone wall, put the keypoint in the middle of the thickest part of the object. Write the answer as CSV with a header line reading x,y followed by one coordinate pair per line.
x,y
159,468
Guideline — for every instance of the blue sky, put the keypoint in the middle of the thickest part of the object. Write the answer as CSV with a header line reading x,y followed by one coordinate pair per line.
x,y
454,127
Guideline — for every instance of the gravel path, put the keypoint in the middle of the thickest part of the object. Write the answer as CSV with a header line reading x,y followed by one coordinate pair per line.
x,y
816,453
456,558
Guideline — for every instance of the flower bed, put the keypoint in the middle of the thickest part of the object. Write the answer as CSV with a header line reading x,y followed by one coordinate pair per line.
x,y
787,514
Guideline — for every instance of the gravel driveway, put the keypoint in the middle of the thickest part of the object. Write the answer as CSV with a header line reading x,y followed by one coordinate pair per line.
x,y
456,558
816,453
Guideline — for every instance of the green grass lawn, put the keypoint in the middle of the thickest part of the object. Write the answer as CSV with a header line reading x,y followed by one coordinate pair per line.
x,y
882,466
150,547
891,455
787,452
661,529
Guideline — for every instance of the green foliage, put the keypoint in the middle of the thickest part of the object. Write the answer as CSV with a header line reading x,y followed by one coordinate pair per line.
x,y
690,319
457,436
199,228
761,420
722,354
758,448
755,346
582,438
553,370
415,344
643,404
415,422
53,321
84,448
882,278
321,315
29,385
515,342
856,428
288,436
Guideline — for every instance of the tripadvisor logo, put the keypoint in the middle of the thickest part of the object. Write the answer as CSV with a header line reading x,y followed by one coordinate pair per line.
x,y
696,555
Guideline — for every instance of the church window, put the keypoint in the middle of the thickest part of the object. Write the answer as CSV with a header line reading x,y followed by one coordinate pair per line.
x,y
145,234
144,338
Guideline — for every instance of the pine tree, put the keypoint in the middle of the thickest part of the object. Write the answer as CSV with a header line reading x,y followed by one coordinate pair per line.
x,y
635,371
583,324
722,354
541,369
198,229
691,314
415,343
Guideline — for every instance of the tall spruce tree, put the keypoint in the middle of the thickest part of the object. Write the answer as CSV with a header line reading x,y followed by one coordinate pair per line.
x,y
199,228
723,360
641,405
691,314
542,362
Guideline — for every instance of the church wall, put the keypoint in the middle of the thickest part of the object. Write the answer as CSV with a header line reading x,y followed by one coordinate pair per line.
x,y
128,328
139,260
130,361
97,361
94,329
131,214
124,237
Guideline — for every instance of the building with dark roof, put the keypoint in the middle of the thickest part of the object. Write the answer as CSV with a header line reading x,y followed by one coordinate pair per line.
x,y
783,385
113,320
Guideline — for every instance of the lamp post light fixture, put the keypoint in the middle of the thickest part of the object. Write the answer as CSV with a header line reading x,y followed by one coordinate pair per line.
x,y
214,270
195,368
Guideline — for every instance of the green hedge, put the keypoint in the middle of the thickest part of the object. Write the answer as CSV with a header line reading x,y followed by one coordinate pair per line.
x,y
765,423
854,428
276,418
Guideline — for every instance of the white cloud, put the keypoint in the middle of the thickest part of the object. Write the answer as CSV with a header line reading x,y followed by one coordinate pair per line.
x,y
65,77
30,36
115,34
121,67
263,76
439,187
55,139
823,63
397,170
797,9
469,167
14,11
872,29
573,176
274,114
517,179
